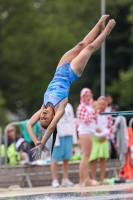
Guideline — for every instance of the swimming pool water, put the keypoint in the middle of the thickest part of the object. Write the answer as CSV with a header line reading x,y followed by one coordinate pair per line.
x,y
111,195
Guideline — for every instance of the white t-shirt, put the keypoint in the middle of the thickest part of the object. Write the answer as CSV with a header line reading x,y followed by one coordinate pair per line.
x,y
108,109
84,128
102,123
66,125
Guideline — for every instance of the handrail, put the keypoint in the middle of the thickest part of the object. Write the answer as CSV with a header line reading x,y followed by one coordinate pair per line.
x,y
118,113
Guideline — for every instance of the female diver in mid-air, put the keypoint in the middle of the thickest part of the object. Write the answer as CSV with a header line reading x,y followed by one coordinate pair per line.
x,y
69,69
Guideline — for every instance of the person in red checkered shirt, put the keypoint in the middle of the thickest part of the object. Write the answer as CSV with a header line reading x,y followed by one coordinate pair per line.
x,y
86,126
103,132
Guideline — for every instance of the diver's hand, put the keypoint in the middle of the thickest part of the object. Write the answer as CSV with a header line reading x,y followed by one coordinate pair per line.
x,y
43,149
37,151
37,143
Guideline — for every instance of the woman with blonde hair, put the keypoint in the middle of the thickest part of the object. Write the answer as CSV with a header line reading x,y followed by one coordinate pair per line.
x,y
103,132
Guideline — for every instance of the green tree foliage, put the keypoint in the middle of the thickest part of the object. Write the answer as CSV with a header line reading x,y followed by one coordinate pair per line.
x,y
2,110
119,48
130,19
34,36
122,87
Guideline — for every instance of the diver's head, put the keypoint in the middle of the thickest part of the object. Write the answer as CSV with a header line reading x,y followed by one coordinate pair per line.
x,y
46,116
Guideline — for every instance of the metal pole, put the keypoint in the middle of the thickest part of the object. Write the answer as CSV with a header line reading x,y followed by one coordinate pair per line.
x,y
103,55
0,146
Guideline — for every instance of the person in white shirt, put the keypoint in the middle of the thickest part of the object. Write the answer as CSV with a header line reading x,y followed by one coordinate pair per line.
x,y
111,106
66,136
86,127
100,147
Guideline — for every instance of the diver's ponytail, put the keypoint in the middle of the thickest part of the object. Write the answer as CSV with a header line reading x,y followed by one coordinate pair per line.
x,y
54,138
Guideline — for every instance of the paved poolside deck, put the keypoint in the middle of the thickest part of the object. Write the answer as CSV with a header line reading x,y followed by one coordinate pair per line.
x,y
18,191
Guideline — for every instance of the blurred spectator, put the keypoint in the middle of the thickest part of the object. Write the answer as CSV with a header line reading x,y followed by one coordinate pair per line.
x,y
111,106
120,130
16,148
2,151
66,136
100,148
86,125
126,150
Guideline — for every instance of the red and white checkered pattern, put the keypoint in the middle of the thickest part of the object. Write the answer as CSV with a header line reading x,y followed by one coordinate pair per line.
x,y
110,125
111,135
84,115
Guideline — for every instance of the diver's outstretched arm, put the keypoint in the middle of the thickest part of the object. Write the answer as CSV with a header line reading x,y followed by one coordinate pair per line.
x,y
31,123
51,127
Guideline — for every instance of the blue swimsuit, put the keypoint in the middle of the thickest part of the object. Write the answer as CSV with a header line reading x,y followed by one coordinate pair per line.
x,y
59,87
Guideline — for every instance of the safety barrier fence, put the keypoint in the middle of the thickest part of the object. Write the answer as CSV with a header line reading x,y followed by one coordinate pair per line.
x,y
24,174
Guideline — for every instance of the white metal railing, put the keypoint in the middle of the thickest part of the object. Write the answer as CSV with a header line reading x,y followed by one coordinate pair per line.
x,y
26,175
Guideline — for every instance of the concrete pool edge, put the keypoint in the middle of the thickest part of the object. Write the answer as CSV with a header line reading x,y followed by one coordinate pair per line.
x,y
48,189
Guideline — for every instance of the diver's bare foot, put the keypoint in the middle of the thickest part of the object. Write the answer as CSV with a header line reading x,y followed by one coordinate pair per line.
x,y
90,182
110,25
101,22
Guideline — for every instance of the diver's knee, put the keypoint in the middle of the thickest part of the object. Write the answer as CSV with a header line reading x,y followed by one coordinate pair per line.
x,y
90,48
81,45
